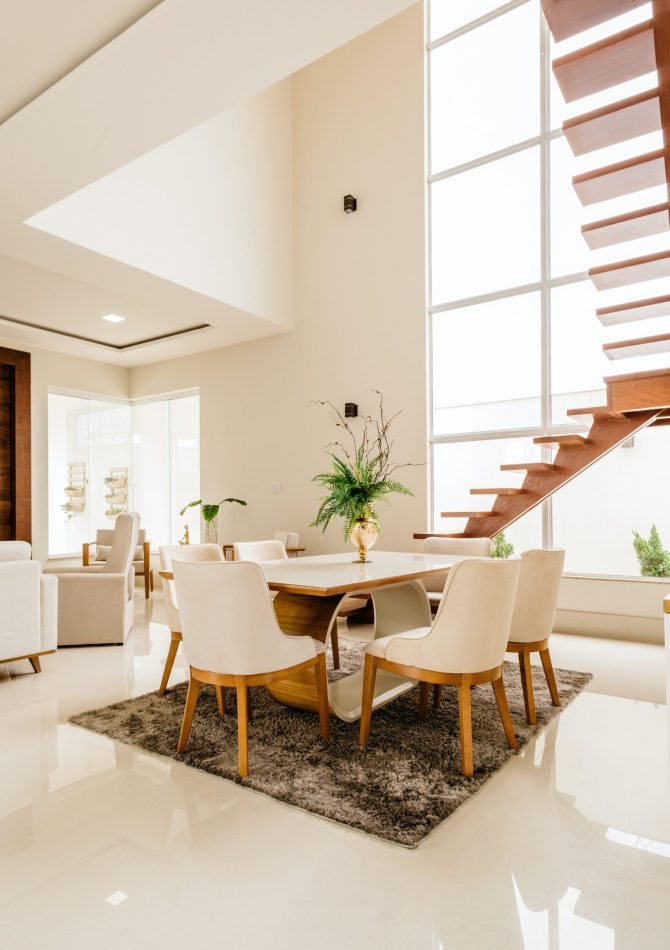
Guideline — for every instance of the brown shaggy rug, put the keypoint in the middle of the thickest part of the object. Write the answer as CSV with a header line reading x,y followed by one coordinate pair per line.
x,y
399,788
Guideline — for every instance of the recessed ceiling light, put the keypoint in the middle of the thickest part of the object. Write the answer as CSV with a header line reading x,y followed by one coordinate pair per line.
x,y
113,318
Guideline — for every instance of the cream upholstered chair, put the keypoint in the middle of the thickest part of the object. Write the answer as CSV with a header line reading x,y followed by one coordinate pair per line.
x,y
290,539
231,638
470,547
195,553
258,551
274,550
95,553
464,647
96,606
533,619
28,606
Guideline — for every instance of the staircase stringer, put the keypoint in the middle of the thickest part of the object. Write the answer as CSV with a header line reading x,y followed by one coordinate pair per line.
x,y
604,435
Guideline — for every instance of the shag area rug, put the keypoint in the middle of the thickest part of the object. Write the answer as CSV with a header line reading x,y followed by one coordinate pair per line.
x,y
399,788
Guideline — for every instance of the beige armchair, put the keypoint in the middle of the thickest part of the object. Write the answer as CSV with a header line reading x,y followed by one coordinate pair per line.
x,y
95,553
28,606
96,606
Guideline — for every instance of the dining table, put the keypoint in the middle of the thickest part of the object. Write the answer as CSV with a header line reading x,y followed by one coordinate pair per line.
x,y
310,592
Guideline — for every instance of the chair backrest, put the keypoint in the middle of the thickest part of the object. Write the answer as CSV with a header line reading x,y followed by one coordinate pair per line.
x,y
259,551
124,543
537,595
290,539
104,538
472,547
15,551
471,627
228,623
194,553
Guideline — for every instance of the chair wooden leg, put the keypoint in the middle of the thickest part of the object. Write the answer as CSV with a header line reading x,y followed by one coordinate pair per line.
x,y
189,709
465,726
35,663
551,679
322,695
369,676
147,585
335,646
242,730
503,709
437,695
527,686
169,663
220,699
424,694
151,579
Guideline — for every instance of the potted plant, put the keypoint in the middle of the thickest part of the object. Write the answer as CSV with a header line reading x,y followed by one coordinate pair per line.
x,y
360,475
209,514
653,558
501,547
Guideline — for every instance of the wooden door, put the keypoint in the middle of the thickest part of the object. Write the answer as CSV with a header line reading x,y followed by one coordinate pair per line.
x,y
15,495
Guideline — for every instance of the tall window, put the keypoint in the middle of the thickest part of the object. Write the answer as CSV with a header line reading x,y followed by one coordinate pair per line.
x,y
108,457
514,337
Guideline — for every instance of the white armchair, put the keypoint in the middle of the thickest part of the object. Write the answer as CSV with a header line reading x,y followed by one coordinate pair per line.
x,y
96,607
28,606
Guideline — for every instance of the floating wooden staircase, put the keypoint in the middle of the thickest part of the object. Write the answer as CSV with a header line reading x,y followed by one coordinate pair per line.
x,y
634,400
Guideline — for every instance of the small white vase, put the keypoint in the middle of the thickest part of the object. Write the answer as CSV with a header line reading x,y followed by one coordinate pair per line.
x,y
363,536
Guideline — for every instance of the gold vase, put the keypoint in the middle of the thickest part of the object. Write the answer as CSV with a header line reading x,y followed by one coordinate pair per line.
x,y
363,535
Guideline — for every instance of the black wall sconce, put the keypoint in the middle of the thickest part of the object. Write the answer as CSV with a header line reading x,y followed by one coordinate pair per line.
x,y
350,410
350,204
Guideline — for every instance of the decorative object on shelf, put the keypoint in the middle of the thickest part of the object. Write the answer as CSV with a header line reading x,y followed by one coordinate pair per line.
x,y
350,204
116,496
75,490
360,475
501,547
654,559
185,539
209,515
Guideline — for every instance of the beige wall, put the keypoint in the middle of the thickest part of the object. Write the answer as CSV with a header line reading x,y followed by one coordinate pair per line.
x,y
56,370
359,301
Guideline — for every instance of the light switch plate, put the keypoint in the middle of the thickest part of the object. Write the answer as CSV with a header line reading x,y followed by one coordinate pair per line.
x,y
275,488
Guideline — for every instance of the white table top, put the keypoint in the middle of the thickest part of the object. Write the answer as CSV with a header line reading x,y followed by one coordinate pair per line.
x,y
328,574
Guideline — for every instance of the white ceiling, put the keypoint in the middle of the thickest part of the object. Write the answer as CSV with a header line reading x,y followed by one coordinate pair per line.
x,y
94,92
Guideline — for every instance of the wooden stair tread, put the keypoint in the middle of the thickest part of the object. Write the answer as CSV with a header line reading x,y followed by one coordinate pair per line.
x,y
661,421
598,412
643,222
616,59
562,441
621,178
617,122
634,270
421,536
529,467
568,17
497,491
636,310
642,346
466,514
639,392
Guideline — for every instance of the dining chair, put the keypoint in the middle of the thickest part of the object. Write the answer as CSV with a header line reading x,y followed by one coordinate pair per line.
x,y
533,620
194,553
274,550
232,639
471,547
464,647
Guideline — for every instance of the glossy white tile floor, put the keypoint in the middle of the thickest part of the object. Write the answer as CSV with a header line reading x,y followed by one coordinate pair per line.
x,y
102,846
